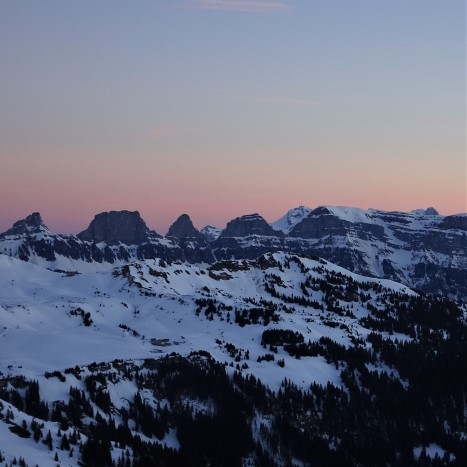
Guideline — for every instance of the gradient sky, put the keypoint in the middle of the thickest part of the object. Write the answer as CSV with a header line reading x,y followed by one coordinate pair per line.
x,y
219,108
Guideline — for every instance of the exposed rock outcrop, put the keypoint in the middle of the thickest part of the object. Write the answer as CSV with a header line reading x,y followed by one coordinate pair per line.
x,y
194,246
183,228
116,227
31,224
250,224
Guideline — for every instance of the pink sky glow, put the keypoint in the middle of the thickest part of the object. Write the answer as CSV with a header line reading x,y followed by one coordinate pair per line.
x,y
70,196
219,108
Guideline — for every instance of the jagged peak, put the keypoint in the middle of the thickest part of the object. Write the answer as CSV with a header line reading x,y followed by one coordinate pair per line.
x,y
32,224
183,228
34,220
431,211
183,218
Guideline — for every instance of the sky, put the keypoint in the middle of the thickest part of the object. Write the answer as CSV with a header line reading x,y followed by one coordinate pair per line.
x,y
219,108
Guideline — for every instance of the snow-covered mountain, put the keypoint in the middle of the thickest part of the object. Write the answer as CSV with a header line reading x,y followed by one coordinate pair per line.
x,y
210,232
294,216
421,249
100,348
425,251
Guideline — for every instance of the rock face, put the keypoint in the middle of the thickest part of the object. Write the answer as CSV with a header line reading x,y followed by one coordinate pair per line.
x,y
194,246
116,227
32,224
454,222
251,224
247,237
183,228
420,249
210,233
431,212
321,222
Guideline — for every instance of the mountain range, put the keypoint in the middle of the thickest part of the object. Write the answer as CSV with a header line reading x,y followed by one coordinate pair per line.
x,y
421,249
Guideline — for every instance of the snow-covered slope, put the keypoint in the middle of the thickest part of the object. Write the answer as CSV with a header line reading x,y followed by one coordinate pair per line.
x,y
45,311
210,233
287,222
55,326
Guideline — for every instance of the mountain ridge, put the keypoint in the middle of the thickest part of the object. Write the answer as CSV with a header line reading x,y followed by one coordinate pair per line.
x,y
421,249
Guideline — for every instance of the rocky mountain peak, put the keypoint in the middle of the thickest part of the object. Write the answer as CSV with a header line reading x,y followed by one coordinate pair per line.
x,y
431,212
426,212
34,220
116,227
250,224
183,228
30,225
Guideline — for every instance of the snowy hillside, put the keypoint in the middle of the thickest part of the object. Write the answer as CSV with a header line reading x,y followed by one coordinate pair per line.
x,y
45,310
294,216
95,342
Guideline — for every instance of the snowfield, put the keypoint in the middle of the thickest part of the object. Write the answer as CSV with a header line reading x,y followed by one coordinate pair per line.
x,y
40,333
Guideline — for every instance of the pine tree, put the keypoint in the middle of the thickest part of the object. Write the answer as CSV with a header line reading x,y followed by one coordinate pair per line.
x,y
65,445
48,441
